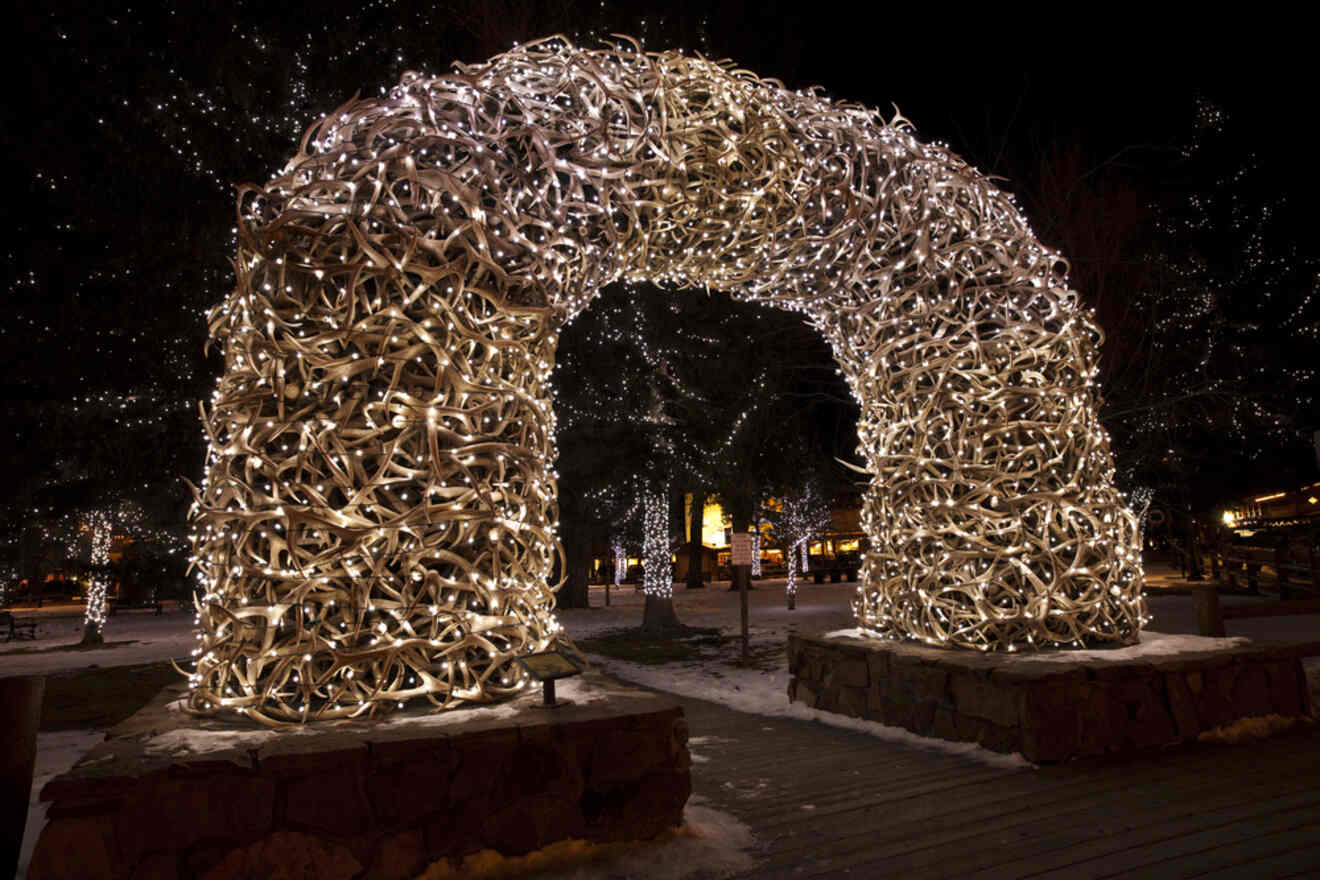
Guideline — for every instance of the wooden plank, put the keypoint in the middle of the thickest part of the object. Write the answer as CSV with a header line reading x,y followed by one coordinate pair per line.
x,y
1297,858
1189,827
959,851
1000,806
1233,848
878,791
884,808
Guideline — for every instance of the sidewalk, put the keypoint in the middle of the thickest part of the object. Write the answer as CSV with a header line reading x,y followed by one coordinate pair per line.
x,y
1162,577
829,802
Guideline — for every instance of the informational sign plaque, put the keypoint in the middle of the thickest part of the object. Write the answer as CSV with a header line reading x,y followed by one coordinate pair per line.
x,y
548,666
741,549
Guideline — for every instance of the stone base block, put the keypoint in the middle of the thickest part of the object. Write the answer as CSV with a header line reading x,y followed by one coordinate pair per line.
x,y
170,796
1055,705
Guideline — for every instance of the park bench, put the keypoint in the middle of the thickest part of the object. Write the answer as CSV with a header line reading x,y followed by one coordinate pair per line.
x,y
116,605
13,628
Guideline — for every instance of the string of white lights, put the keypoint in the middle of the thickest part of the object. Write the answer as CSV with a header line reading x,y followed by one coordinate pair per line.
x,y
657,576
756,548
800,516
620,564
94,611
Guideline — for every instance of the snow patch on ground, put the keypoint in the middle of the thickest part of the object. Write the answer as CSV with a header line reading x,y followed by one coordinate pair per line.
x,y
152,638
766,693
710,844
57,752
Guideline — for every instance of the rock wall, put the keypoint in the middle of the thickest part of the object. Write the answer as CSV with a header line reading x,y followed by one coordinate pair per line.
x,y
370,802
1049,710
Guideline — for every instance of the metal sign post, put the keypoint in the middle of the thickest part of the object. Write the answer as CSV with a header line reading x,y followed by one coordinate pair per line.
x,y
740,559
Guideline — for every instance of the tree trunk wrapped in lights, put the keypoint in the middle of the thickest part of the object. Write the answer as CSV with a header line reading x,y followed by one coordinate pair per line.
x,y
756,548
377,521
98,586
801,515
620,565
657,574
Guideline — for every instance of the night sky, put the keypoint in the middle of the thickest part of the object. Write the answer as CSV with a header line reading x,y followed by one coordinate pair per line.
x,y
126,127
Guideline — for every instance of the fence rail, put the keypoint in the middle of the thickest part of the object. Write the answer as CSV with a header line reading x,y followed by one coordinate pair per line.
x,y
1297,583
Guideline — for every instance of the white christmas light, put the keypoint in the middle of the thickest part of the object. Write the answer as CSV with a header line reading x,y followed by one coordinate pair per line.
x,y
657,576
799,518
620,564
94,611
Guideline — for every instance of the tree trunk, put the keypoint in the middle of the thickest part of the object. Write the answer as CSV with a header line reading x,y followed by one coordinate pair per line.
x,y
577,552
791,587
742,580
95,611
695,581
1193,563
94,616
658,617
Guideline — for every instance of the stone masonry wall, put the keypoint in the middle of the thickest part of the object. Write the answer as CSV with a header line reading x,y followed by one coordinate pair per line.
x,y
1049,710
379,803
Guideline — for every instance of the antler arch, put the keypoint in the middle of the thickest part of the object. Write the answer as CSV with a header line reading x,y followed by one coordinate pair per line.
x,y
377,521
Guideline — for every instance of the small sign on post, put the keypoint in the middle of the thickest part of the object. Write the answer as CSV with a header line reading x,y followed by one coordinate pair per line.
x,y
740,550
547,668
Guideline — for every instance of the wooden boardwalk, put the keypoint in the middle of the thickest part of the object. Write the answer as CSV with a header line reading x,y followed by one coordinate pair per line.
x,y
829,802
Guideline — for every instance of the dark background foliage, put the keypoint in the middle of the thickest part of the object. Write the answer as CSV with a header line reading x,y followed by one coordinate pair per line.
x,y
1168,163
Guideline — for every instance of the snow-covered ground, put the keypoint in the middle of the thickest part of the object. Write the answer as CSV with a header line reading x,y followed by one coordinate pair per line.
x,y
132,637
762,687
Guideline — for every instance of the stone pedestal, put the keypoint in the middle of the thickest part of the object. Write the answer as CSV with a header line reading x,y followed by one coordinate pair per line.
x,y
1051,706
169,795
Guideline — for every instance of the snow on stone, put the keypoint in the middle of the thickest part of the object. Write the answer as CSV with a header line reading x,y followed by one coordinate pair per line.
x,y
1151,644
218,735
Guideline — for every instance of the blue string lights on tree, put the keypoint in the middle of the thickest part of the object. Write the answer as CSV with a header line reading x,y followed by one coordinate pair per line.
x,y
377,522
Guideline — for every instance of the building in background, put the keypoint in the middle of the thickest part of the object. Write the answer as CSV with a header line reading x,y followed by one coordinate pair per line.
x,y
1271,509
834,554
